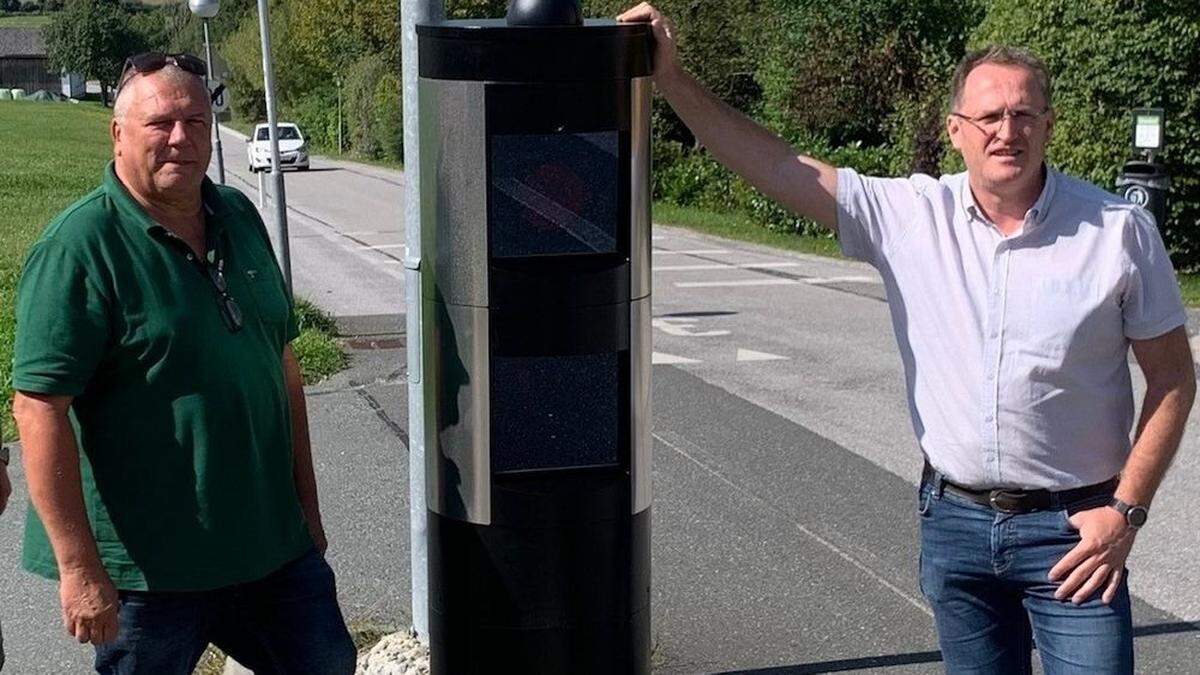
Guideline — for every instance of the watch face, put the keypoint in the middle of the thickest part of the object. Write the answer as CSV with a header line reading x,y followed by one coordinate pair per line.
x,y
1137,516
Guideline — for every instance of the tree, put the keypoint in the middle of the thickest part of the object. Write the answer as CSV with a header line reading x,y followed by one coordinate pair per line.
x,y
92,37
839,71
332,34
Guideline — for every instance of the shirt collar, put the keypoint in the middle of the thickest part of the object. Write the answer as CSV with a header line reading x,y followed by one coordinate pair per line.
x,y
214,206
1036,215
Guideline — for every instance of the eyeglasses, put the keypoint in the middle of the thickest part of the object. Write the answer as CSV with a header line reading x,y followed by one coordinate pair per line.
x,y
989,124
231,312
148,62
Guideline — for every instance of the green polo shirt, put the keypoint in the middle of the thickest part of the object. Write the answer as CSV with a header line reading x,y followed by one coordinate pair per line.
x,y
182,423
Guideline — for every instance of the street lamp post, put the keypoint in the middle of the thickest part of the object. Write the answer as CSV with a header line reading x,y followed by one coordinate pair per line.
x,y
282,252
207,9
338,82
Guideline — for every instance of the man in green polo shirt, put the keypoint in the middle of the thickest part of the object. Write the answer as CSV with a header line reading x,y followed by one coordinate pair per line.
x,y
161,411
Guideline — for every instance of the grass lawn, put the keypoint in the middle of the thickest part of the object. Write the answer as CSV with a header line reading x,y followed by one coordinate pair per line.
x,y
24,20
739,227
51,154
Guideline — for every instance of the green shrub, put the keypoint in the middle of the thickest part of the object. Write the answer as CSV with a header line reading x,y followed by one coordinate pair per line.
x,y
362,118
316,114
1107,57
389,116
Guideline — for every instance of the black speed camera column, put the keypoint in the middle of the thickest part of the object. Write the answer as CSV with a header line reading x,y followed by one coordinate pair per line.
x,y
536,333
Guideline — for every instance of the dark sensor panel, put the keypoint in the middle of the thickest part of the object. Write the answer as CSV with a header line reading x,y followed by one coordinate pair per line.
x,y
554,194
552,412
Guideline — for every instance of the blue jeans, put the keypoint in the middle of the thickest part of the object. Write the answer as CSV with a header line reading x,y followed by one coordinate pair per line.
x,y
985,573
286,622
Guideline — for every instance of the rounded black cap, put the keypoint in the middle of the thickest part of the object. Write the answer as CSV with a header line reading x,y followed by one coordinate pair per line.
x,y
490,50
545,13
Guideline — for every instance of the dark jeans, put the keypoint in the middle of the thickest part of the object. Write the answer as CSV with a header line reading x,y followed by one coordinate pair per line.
x,y
286,622
985,576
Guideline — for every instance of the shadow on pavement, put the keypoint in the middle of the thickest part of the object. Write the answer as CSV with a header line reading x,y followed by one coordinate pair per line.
x,y
841,665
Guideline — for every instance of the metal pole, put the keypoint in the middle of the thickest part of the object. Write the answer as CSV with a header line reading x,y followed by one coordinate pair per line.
x,y
216,123
413,12
282,253
339,115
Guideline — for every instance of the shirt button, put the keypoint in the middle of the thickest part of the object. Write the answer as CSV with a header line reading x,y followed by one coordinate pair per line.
x,y
988,418
991,377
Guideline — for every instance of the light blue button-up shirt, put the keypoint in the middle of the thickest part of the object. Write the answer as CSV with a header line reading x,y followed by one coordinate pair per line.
x,y
1015,348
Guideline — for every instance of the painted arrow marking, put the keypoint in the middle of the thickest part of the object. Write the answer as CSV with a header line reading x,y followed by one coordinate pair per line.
x,y
659,358
751,355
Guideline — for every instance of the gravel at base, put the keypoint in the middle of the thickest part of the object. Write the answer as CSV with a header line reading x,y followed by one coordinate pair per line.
x,y
396,654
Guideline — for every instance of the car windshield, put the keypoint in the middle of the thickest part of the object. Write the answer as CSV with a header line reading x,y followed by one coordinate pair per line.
x,y
285,134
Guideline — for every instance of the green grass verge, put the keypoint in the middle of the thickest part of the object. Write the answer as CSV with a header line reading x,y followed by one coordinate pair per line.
x,y
24,20
54,153
740,228
1189,284
316,349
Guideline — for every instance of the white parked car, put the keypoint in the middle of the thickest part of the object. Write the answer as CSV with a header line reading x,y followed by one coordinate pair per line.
x,y
293,149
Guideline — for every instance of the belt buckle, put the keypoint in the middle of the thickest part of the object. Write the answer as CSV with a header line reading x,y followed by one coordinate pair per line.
x,y
1006,501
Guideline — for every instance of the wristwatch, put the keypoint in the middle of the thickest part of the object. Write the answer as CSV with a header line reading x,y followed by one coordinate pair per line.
x,y
1135,516
4,454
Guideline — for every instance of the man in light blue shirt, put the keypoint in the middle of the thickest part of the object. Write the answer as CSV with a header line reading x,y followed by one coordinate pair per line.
x,y
1016,294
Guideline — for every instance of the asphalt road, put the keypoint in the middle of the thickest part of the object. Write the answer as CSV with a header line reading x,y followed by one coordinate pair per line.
x,y
784,535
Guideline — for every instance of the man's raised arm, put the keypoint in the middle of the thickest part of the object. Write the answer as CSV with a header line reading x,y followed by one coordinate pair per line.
x,y
804,185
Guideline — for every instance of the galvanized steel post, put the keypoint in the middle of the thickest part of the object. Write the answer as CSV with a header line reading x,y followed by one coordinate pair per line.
x,y
282,252
413,12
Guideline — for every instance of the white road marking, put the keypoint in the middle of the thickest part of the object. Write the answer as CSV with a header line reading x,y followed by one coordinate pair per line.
x,y
842,280
382,247
817,281
741,282
722,266
682,326
657,237
1195,342
706,251
659,358
751,355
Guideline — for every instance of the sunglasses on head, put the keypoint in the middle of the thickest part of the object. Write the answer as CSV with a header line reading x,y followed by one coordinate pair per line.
x,y
148,62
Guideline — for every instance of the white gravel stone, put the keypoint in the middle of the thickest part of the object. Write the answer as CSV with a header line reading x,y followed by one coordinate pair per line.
x,y
396,654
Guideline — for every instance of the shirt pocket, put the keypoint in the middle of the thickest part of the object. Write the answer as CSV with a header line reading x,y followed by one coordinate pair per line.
x,y
265,289
1063,315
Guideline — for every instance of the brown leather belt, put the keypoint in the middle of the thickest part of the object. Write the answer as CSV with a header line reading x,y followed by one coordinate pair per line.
x,y
1015,500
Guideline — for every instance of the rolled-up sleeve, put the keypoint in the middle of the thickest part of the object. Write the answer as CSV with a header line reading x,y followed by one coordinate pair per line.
x,y
62,323
1151,304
